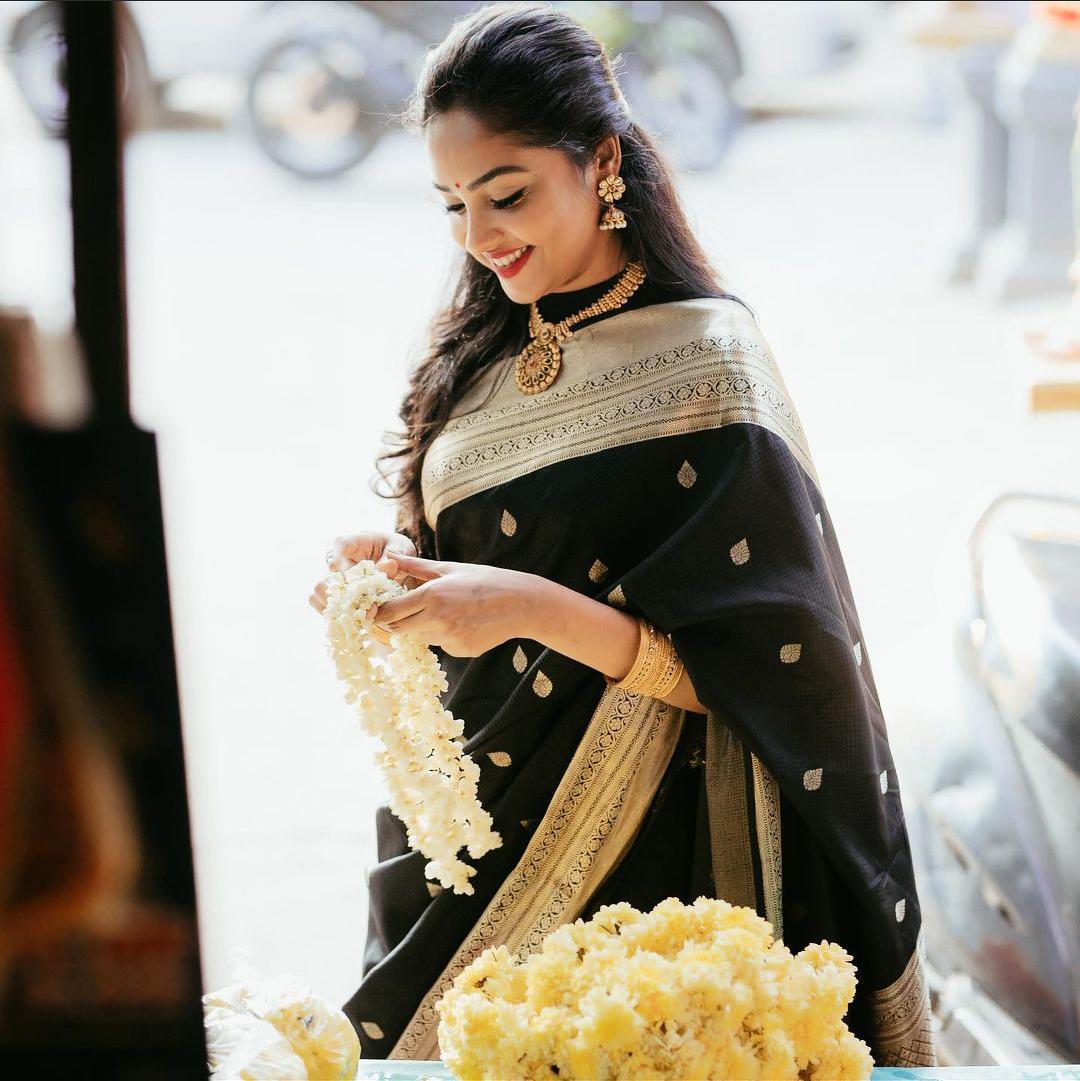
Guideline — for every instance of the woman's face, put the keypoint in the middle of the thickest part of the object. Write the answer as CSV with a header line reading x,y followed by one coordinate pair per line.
x,y
502,197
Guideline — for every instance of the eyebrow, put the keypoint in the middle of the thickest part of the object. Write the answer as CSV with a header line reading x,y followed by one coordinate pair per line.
x,y
489,175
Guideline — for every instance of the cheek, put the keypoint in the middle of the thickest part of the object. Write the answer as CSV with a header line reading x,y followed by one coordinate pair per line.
x,y
575,218
533,224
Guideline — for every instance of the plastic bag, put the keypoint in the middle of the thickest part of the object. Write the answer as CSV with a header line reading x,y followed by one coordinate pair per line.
x,y
275,1027
249,1048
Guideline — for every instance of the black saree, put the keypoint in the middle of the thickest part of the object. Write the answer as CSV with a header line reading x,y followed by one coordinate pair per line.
x,y
666,472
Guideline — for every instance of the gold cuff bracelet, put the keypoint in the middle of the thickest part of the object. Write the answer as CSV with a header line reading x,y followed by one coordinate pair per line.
x,y
656,670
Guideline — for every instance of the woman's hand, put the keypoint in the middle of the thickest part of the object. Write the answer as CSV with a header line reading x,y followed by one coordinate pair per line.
x,y
465,608
343,552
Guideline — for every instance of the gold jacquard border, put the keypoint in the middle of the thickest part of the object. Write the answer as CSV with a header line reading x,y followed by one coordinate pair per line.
x,y
767,821
729,815
703,383
902,1028
592,819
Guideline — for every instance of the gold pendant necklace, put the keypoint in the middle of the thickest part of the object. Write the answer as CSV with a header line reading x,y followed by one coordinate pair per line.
x,y
537,365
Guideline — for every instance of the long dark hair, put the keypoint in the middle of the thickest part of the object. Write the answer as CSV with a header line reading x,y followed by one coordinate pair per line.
x,y
530,71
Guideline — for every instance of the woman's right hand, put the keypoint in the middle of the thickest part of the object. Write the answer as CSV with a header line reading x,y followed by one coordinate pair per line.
x,y
343,552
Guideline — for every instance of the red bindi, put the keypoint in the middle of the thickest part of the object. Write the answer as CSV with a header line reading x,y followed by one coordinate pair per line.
x,y
456,184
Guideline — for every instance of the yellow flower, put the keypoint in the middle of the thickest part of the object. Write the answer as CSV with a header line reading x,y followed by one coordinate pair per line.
x,y
697,990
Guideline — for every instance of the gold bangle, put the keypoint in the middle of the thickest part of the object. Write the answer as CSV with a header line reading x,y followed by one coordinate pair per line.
x,y
629,681
646,670
666,670
671,672
656,670
646,675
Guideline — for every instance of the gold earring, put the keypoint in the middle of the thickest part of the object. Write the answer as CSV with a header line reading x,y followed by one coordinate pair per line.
x,y
612,188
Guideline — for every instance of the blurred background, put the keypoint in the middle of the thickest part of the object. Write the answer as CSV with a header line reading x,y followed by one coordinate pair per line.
x,y
892,186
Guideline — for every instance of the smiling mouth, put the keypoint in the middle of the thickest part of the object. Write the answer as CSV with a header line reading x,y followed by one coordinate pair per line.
x,y
508,260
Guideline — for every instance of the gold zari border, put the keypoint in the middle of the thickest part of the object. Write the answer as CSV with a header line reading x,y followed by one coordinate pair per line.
x,y
719,371
729,824
589,825
729,818
767,821
903,1035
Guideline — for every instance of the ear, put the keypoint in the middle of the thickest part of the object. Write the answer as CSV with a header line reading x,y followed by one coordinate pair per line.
x,y
608,157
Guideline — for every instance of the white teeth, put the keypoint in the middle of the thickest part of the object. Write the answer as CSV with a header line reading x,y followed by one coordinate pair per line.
x,y
513,257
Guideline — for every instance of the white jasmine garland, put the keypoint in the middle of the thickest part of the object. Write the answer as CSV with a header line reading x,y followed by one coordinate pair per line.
x,y
431,781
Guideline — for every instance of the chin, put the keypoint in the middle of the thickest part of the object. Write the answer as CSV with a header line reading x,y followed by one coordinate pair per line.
x,y
521,293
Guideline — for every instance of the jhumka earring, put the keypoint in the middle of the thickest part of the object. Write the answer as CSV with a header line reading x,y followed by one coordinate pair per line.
x,y
612,188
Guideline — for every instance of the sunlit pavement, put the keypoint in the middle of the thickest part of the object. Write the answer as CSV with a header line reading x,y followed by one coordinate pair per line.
x,y
271,324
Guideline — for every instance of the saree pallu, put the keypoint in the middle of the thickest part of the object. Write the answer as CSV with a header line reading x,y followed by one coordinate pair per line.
x,y
666,473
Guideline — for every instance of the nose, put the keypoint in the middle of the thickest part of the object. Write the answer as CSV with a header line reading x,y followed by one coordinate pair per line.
x,y
480,237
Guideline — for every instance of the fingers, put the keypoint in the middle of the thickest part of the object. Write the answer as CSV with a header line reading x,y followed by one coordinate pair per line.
x,y
392,550
336,559
333,555
397,608
397,546
424,569
411,624
389,566
343,552
399,543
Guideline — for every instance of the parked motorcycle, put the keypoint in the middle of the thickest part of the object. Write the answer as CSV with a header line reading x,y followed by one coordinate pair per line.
x,y
323,81
322,96
994,834
36,47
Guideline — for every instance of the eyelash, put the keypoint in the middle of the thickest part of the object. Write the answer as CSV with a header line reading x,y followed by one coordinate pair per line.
x,y
498,204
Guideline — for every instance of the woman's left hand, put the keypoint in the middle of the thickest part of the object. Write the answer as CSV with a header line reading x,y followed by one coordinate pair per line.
x,y
464,608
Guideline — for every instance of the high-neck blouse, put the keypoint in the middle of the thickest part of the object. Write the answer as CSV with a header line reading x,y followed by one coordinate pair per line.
x,y
559,305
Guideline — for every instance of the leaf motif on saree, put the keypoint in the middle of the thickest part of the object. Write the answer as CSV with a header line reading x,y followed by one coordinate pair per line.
x,y
521,662
687,475
597,572
508,523
740,553
542,685
500,758
790,653
811,779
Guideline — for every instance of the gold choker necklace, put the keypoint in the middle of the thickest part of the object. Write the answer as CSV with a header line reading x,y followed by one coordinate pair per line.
x,y
537,365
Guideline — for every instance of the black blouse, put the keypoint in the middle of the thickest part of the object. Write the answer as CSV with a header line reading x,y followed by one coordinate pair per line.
x,y
559,305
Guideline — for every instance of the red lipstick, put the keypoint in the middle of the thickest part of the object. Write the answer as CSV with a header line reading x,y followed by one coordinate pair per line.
x,y
514,267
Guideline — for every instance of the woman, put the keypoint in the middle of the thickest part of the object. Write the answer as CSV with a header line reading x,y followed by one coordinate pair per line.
x,y
564,499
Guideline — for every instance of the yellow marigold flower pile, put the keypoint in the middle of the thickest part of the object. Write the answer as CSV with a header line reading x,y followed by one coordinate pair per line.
x,y
699,991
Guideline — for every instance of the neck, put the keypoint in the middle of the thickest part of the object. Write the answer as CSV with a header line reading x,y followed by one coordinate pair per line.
x,y
606,263
554,307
